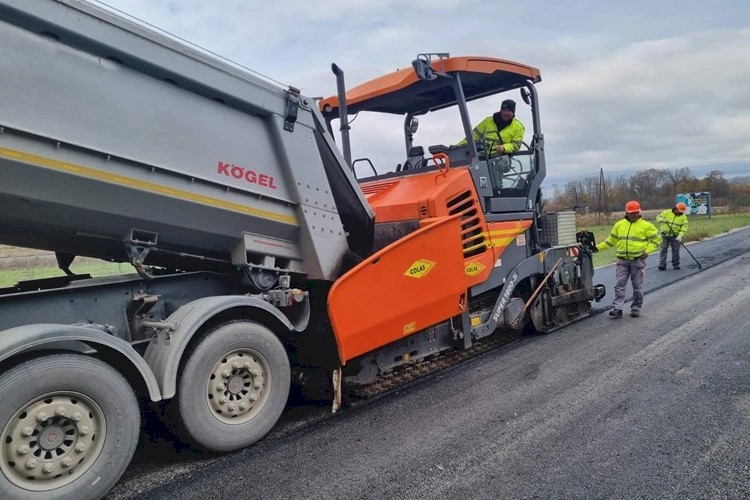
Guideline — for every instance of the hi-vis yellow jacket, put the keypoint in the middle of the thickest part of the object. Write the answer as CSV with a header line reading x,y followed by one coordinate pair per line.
x,y
672,225
632,238
510,137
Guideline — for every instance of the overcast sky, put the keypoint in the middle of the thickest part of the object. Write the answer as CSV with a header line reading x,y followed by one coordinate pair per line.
x,y
625,84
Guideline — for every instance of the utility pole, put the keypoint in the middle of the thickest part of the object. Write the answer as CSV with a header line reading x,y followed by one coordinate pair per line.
x,y
604,191
601,195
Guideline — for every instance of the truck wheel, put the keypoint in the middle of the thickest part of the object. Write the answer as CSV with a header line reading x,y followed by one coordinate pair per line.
x,y
69,427
234,386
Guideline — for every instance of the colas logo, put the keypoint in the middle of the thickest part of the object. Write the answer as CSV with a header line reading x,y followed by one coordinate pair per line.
x,y
420,268
474,268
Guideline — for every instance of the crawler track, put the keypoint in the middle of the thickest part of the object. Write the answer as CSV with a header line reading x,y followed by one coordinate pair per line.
x,y
407,373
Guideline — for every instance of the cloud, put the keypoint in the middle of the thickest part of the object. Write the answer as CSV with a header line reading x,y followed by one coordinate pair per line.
x,y
671,102
665,103
637,85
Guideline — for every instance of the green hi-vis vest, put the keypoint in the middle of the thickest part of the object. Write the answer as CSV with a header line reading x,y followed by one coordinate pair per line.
x,y
632,238
673,225
511,137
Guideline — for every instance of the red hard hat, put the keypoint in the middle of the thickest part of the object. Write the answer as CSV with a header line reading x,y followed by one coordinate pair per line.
x,y
681,207
632,206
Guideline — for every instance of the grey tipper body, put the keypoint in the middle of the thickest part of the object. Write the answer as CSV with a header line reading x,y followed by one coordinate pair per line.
x,y
224,191
188,151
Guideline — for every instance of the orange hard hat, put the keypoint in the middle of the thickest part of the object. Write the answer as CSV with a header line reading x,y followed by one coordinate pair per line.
x,y
681,207
632,206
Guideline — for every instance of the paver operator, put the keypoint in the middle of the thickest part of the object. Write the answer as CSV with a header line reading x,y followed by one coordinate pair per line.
x,y
502,132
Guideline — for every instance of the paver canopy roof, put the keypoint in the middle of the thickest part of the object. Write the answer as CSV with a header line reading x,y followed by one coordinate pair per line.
x,y
403,92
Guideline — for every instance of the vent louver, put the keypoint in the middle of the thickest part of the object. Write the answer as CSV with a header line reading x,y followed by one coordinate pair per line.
x,y
473,241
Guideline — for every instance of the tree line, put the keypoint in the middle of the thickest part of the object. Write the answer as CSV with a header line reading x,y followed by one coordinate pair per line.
x,y
653,188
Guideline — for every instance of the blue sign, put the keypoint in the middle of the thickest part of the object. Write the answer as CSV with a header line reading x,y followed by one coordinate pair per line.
x,y
697,203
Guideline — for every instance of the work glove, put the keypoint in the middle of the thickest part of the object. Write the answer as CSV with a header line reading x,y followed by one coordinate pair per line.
x,y
595,250
644,255
679,238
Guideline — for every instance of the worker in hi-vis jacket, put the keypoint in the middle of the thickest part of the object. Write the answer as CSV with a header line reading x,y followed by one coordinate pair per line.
x,y
674,225
634,238
498,135
502,133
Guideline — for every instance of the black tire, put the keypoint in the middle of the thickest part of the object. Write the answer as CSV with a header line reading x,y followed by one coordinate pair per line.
x,y
69,426
233,387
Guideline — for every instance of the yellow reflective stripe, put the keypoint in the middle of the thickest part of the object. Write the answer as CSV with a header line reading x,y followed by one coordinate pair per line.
x,y
502,242
497,238
494,240
503,237
480,245
504,232
143,185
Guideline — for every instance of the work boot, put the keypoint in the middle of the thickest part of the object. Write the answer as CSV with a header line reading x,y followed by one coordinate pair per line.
x,y
662,268
616,313
635,313
676,267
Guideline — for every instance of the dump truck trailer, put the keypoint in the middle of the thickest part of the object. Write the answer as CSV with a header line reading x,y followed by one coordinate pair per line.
x,y
259,259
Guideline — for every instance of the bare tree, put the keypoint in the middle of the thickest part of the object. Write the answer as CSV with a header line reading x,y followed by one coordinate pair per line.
x,y
682,180
716,183
648,186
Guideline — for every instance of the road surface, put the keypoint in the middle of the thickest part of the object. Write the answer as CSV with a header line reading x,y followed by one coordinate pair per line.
x,y
656,406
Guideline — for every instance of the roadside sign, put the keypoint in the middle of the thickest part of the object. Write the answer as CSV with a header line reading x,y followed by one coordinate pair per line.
x,y
697,203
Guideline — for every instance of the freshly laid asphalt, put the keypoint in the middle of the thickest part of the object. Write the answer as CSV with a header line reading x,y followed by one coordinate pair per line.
x,y
649,407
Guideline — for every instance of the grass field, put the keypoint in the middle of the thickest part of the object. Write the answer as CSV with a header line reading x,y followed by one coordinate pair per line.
x,y
9,277
699,227
19,264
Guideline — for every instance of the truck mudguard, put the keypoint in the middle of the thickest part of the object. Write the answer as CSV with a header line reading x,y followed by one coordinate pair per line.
x,y
165,351
21,339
